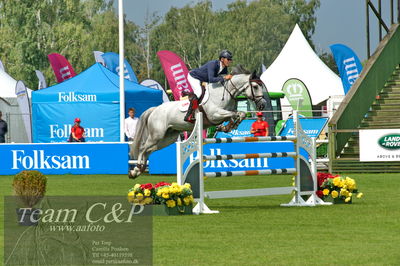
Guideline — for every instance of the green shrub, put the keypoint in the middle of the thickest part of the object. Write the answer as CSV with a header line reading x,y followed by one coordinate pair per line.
x,y
30,187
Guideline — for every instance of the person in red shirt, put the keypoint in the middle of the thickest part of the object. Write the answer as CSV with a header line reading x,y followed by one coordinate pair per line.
x,y
260,127
77,132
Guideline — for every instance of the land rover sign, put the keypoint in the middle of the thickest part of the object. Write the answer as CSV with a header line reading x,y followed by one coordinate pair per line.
x,y
390,142
380,145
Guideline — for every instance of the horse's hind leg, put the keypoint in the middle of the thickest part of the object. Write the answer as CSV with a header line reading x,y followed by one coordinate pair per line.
x,y
148,148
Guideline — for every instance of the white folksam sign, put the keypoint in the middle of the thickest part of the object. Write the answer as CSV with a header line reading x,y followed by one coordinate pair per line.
x,y
380,145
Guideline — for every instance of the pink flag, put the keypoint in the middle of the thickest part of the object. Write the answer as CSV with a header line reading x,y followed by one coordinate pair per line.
x,y
62,68
176,72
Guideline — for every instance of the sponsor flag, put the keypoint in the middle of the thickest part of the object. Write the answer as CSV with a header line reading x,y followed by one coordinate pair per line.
x,y
348,64
98,56
176,72
25,107
155,85
42,81
61,67
2,66
298,96
111,61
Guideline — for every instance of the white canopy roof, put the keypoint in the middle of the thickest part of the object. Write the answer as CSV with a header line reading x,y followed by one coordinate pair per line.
x,y
298,60
7,85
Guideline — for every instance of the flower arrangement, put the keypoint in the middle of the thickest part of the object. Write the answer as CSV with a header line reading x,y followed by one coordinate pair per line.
x,y
337,187
161,193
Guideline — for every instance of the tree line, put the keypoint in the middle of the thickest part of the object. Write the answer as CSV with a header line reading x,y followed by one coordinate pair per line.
x,y
254,31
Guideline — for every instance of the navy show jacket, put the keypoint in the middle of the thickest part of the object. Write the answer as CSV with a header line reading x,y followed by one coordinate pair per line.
x,y
209,72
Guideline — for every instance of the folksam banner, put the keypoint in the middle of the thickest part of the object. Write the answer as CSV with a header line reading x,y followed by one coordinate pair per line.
x,y
311,126
348,64
176,73
61,67
111,60
298,96
73,158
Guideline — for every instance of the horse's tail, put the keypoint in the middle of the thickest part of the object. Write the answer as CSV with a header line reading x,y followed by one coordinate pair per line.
x,y
141,133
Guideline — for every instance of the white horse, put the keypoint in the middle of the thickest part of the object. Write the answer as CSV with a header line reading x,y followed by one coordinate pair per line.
x,y
160,126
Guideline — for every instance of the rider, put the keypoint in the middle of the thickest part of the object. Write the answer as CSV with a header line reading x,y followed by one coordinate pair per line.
x,y
211,72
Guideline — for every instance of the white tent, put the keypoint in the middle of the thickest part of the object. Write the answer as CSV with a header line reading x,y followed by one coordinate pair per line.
x,y
11,110
298,60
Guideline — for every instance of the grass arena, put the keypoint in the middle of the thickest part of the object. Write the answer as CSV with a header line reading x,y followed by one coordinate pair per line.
x,y
255,230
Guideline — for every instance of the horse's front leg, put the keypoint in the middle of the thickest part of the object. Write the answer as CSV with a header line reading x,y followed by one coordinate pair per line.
x,y
234,120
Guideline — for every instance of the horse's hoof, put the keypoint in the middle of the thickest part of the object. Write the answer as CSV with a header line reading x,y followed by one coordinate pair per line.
x,y
132,174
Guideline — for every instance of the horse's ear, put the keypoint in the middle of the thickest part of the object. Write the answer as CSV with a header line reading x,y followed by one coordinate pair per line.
x,y
254,75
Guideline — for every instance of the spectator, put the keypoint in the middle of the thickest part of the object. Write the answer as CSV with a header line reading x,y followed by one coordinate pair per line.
x,y
260,127
130,124
77,132
3,129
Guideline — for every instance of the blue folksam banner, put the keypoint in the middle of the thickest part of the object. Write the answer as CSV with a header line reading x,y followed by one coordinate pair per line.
x,y
111,60
348,64
311,126
70,158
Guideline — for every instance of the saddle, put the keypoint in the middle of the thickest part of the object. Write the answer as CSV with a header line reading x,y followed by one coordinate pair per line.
x,y
205,94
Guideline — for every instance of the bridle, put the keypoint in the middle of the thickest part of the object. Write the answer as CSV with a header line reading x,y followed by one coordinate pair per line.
x,y
255,98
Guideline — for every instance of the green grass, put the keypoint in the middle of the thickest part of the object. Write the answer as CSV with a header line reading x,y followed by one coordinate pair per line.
x,y
256,231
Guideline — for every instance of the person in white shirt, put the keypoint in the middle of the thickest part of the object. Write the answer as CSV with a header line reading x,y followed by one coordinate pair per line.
x,y
130,124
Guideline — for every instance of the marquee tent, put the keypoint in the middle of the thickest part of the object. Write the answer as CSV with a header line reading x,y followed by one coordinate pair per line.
x,y
11,111
298,60
93,96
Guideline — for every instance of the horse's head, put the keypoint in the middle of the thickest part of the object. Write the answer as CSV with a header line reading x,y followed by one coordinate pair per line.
x,y
250,84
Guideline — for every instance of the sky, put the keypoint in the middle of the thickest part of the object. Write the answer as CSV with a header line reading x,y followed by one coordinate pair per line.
x,y
338,21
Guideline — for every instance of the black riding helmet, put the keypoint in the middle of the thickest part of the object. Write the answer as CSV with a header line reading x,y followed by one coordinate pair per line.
x,y
225,54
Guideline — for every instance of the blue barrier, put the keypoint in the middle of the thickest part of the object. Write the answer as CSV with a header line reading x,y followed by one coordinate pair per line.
x,y
67,158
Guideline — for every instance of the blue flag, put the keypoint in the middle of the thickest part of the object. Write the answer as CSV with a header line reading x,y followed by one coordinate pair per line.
x,y
111,60
348,64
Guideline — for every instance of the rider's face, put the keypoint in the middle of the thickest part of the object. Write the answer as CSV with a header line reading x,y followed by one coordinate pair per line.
x,y
226,62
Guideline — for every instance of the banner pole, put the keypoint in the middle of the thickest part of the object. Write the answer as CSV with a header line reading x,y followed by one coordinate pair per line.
x,y
121,71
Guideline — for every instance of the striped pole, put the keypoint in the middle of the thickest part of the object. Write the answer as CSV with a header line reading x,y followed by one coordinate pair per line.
x,y
249,156
248,139
252,172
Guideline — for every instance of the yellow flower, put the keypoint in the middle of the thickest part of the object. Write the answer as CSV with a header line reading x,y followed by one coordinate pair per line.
x,y
136,186
131,196
187,200
350,194
334,194
359,195
148,200
344,192
165,195
187,185
336,181
147,192
159,193
179,202
139,196
347,199
170,203
325,191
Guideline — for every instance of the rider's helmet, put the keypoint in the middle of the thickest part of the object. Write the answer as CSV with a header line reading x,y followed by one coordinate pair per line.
x,y
225,54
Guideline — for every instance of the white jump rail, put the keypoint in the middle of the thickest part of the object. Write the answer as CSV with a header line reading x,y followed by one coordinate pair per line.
x,y
305,170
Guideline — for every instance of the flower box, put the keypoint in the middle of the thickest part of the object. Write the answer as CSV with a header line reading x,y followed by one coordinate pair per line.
x,y
337,200
163,210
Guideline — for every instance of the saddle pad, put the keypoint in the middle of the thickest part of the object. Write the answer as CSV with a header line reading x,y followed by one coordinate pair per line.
x,y
184,104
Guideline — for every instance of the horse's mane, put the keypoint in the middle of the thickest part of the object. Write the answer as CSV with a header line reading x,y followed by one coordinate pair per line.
x,y
239,69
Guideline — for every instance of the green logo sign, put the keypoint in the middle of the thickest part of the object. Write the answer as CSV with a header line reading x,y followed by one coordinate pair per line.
x,y
297,94
390,142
